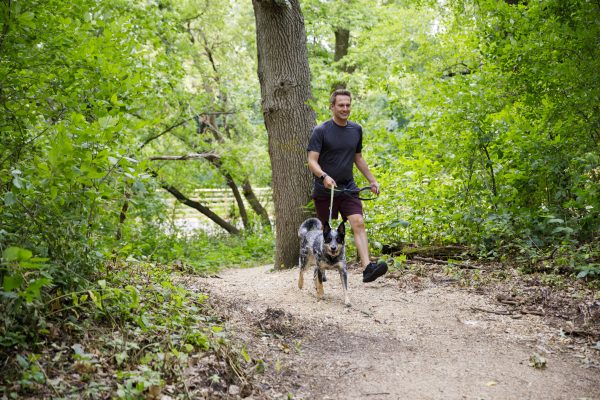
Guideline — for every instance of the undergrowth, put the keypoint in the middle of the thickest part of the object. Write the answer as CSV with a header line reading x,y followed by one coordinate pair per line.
x,y
136,324
129,332
202,253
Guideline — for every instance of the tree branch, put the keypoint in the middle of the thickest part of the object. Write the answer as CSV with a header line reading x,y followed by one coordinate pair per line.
x,y
193,156
202,208
169,129
178,124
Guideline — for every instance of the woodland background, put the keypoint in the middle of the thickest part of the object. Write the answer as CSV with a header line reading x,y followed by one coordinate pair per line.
x,y
482,124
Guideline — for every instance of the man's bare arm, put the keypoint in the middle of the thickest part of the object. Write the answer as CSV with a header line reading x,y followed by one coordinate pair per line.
x,y
362,166
315,168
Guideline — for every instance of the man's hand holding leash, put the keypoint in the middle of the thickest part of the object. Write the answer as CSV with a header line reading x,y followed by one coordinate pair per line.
x,y
375,188
329,182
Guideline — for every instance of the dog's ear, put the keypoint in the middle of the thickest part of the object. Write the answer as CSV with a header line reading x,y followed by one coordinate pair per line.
x,y
326,228
342,228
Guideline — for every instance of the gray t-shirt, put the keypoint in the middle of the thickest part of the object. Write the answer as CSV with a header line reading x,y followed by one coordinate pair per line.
x,y
337,146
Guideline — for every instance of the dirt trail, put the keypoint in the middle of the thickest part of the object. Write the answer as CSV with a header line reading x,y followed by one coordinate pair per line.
x,y
433,341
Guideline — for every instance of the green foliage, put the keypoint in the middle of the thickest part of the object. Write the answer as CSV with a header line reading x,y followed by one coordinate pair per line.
x,y
85,85
146,326
590,270
482,124
206,254
76,79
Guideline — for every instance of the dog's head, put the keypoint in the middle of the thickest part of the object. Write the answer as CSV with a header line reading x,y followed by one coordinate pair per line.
x,y
333,241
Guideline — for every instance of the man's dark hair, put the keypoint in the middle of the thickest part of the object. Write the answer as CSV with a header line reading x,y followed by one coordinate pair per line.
x,y
339,92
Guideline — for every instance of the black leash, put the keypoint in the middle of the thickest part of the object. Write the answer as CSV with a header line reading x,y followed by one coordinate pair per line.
x,y
360,194
351,192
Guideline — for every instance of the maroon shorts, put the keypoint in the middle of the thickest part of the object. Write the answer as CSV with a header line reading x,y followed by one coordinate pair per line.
x,y
345,205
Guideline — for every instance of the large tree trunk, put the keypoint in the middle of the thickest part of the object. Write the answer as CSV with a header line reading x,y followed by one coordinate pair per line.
x,y
284,77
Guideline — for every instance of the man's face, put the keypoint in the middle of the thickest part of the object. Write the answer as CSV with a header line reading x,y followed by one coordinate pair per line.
x,y
341,108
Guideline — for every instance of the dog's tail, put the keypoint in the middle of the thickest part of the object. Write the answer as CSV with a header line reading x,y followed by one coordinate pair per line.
x,y
310,224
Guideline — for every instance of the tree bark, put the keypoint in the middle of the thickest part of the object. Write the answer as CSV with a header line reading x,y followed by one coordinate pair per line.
x,y
122,216
284,76
255,203
342,44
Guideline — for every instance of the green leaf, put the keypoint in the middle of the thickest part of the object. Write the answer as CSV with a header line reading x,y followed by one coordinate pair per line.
x,y
399,222
108,122
9,199
115,101
245,355
27,19
33,291
565,229
96,299
18,182
12,282
16,254
120,357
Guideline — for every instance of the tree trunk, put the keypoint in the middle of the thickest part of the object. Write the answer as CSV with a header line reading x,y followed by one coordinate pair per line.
x,y
284,77
342,43
255,203
123,216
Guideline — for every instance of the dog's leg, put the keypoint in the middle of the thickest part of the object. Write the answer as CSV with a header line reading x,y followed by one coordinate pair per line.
x,y
303,260
319,283
344,279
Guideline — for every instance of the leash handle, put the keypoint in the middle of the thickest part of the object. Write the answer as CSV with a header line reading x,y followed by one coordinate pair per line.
x,y
331,205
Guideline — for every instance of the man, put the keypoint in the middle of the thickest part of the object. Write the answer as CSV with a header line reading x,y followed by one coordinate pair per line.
x,y
334,147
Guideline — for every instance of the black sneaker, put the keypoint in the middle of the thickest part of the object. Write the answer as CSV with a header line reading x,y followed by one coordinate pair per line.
x,y
374,271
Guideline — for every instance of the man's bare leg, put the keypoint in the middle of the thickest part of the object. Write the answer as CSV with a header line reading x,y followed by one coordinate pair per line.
x,y
357,223
372,270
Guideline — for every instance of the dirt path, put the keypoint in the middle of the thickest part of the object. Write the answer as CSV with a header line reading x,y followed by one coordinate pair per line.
x,y
429,341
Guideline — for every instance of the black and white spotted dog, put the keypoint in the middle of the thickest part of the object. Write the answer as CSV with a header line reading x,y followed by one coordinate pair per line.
x,y
323,247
